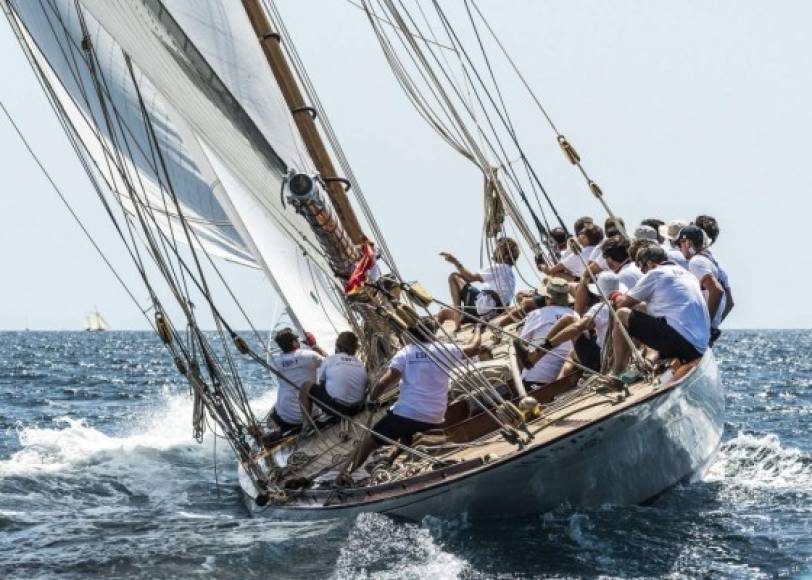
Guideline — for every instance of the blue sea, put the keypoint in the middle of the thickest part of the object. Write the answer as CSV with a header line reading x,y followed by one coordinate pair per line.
x,y
100,476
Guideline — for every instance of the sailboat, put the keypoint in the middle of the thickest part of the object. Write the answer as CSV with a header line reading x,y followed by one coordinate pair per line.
x,y
204,138
95,322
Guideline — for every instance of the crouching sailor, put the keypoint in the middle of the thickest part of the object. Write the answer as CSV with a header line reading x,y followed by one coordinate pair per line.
x,y
676,323
342,382
421,368
298,367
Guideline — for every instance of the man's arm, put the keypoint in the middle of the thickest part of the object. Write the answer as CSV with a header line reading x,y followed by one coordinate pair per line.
x,y
571,331
558,268
715,293
388,380
625,301
466,274
729,304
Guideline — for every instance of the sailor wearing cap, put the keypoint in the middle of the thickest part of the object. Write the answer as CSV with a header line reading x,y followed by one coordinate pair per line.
x,y
712,278
298,367
542,367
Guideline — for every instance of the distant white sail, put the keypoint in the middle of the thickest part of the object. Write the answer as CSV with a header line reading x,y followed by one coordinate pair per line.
x,y
95,322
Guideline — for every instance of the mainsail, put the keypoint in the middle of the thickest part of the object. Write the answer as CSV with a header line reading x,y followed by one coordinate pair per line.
x,y
226,137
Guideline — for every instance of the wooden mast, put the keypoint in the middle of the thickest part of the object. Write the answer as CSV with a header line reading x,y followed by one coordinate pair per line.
x,y
302,114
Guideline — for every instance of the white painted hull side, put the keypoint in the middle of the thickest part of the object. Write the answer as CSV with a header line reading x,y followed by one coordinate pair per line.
x,y
624,459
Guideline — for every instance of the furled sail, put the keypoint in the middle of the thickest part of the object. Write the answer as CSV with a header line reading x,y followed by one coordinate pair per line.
x,y
220,121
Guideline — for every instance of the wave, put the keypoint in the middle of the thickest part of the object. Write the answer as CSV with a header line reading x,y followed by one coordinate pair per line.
x,y
762,462
378,547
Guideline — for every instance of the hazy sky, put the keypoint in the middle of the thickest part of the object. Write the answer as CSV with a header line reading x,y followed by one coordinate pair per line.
x,y
676,107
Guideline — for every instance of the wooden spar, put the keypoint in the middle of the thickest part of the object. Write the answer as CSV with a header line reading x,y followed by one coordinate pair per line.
x,y
271,46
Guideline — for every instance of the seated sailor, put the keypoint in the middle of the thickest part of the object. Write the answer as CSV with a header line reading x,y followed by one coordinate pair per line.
x,y
676,323
589,333
614,258
298,367
342,382
499,284
573,265
613,226
669,232
712,278
542,365
421,368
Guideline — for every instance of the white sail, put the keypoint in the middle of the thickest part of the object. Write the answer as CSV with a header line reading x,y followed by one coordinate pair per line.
x,y
305,289
176,85
52,34
95,322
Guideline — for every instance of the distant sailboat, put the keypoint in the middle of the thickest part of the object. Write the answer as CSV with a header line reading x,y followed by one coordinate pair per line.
x,y
95,322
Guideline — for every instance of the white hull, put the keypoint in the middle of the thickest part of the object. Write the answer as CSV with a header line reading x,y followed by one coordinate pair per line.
x,y
624,459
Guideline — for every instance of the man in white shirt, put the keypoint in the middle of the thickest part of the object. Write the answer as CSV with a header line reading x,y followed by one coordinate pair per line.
x,y
712,278
614,258
589,333
573,265
498,286
676,323
421,369
298,367
543,365
669,232
342,381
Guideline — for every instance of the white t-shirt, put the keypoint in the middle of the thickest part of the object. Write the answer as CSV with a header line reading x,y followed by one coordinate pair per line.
x,y
629,274
599,314
573,262
536,327
500,279
345,378
597,257
700,266
299,367
675,255
423,384
672,292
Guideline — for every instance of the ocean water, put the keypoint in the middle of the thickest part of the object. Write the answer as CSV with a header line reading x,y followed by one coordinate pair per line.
x,y
99,476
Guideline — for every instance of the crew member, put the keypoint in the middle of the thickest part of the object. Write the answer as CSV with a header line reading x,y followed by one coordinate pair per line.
x,y
712,278
541,366
676,323
498,280
574,265
421,368
298,367
669,232
342,381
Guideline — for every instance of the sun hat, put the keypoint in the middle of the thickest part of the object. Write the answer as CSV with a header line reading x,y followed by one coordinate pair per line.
x,y
558,291
609,283
670,230
645,233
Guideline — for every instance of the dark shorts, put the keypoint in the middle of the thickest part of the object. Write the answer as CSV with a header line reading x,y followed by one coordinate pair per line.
x,y
283,425
588,351
328,404
656,333
468,296
399,428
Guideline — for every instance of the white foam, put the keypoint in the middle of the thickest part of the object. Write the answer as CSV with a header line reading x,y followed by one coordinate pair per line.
x,y
761,462
377,548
